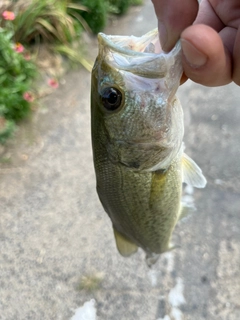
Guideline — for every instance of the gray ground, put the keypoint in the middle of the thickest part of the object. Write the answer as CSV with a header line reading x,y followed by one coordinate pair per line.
x,y
57,242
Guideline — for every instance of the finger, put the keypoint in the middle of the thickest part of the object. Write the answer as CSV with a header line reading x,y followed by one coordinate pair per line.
x,y
173,17
228,36
207,15
236,59
205,59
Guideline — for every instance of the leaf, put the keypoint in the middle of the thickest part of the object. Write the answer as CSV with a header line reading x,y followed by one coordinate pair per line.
x,y
78,7
47,25
76,57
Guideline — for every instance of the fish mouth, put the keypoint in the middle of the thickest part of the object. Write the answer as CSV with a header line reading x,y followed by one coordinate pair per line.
x,y
127,45
142,56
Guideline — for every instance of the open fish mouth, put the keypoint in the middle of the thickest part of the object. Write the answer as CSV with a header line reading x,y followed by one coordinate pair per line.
x,y
134,46
139,55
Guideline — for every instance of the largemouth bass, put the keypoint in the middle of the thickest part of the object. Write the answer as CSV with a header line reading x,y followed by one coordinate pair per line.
x,y
137,133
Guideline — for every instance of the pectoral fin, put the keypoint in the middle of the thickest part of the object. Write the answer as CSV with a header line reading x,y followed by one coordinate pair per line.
x,y
192,174
125,247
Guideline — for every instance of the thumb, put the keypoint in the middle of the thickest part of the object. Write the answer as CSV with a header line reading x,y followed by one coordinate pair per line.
x,y
173,17
205,59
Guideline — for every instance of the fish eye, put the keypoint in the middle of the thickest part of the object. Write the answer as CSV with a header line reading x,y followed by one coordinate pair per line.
x,y
111,98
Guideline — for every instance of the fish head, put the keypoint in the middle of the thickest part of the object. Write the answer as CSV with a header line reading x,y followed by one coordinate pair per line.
x,y
133,96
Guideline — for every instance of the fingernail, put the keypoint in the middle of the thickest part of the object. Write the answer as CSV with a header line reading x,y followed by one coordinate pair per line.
x,y
162,35
194,57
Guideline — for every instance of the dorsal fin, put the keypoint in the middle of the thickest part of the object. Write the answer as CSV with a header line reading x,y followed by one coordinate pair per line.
x,y
125,247
192,174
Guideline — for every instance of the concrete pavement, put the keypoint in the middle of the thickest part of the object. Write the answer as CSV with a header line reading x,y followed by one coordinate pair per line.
x,y
57,245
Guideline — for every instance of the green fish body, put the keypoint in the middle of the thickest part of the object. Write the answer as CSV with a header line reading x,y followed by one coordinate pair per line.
x,y
137,132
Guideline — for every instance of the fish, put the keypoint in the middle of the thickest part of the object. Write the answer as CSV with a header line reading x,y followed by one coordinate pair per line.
x,y
137,141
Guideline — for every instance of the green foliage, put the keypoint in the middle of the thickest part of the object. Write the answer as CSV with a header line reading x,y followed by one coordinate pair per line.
x,y
16,75
98,10
119,6
136,2
48,21
7,128
96,16
74,56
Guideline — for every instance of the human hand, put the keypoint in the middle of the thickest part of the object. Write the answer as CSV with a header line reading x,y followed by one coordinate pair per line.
x,y
211,46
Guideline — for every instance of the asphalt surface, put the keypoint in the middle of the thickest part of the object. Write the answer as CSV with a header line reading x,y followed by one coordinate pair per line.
x,y
57,245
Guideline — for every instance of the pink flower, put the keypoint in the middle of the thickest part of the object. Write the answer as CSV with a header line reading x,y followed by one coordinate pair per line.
x,y
28,96
53,83
19,47
8,15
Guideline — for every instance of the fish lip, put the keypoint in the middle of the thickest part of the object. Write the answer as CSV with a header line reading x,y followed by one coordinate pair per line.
x,y
108,41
